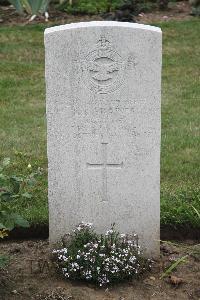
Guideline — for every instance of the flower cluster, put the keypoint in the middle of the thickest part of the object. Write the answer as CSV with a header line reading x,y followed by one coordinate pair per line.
x,y
83,226
101,259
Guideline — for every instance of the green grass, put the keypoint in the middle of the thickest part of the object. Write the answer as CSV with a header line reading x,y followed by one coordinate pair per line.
x,y
180,153
22,114
23,127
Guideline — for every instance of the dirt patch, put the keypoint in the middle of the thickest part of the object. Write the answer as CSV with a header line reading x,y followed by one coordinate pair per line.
x,y
9,16
41,231
177,11
179,232
31,275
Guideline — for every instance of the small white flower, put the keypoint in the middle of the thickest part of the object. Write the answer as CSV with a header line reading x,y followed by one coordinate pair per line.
x,y
123,235
109,232
55,251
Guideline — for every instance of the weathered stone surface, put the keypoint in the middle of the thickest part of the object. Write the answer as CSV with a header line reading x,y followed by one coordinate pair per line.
x,y
103,84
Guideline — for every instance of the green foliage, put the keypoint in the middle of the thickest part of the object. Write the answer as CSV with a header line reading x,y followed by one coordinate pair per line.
x,y
181,207
92,6
82,235
11,220
146,6
32,7
105,6
18,5
195,11
195,4
12,188
196,211
101,259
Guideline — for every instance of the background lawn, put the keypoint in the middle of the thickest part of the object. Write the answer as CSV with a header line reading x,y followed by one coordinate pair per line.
x,y
23,125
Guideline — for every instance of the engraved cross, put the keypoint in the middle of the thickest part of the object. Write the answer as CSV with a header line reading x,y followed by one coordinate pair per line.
x,y
103,166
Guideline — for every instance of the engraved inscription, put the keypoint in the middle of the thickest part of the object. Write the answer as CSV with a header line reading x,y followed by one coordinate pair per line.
x,y
103,166
103,68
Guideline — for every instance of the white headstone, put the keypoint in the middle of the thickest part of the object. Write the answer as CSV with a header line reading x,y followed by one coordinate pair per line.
x,y
103,83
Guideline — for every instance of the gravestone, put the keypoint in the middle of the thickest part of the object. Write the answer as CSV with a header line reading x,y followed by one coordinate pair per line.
x,y
103,83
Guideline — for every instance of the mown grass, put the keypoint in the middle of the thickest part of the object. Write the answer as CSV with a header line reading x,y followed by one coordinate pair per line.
x,y
22,114
23,125
180,153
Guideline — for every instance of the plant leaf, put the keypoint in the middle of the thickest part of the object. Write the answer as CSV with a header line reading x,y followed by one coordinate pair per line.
x,y
11,220
2,226
27,7
17,4
38,6
173,266
6,196
3,178
31,181
196,211
15,196
20,221
27,195
8,222
16,178
16,181
6,161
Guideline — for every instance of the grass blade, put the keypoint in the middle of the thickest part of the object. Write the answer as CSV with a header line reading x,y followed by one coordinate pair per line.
x,y
173,266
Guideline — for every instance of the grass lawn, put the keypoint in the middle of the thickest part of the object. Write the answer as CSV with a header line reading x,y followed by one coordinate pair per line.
x,y
23,125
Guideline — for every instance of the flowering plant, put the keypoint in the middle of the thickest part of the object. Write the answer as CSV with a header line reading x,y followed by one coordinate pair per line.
x,y
101,259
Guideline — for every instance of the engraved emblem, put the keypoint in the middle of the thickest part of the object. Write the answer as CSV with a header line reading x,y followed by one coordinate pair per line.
x,y
103,68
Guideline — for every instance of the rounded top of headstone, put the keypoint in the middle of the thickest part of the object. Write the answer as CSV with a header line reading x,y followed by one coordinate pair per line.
x,y
101,24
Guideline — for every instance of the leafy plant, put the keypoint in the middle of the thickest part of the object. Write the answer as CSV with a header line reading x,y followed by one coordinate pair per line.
x,y
32,7
105,6
195,4
181,207
90,7
101,259
13,188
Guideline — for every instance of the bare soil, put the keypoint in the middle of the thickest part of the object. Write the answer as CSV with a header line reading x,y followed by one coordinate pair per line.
x,y
176,11
31,275
41,231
